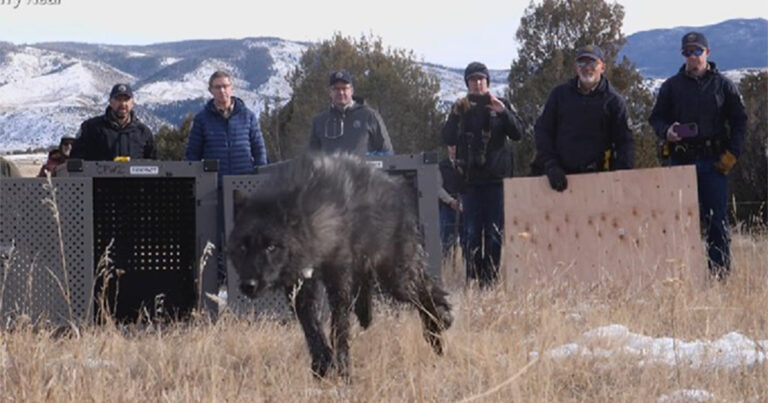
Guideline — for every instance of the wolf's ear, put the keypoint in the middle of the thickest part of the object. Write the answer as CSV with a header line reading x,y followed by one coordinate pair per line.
x,y
239,198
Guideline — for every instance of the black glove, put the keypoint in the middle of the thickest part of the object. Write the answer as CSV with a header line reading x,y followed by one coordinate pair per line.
x,y
556,176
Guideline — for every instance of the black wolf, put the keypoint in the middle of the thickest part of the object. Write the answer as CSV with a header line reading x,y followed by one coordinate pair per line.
x,y
333,219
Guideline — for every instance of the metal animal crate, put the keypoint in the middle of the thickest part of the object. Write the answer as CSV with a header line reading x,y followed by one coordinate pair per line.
x,y
151,219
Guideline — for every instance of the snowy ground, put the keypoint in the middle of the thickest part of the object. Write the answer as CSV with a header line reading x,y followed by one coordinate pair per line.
x,y
733,351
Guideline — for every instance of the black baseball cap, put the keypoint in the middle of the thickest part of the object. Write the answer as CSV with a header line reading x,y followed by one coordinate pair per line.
x,y
695,39
591,51
121,89
340,75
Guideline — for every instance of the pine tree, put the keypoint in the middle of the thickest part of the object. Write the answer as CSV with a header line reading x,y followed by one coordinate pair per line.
x,y
170,141
549,35
749,180
390,80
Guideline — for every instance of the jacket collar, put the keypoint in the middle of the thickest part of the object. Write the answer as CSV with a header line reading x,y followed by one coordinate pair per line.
x,y
237,106
110,119
711,70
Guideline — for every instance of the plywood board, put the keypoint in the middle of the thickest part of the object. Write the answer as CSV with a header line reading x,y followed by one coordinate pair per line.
x,y
634,226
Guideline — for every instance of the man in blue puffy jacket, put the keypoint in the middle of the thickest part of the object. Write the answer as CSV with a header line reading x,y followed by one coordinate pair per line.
x,y
226,130
699,112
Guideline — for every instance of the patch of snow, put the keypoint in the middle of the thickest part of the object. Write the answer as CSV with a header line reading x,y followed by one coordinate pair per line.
x,y
731,351
686,396
167,61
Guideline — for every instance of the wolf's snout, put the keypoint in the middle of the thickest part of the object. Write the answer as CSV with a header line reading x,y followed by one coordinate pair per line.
x,y
249,287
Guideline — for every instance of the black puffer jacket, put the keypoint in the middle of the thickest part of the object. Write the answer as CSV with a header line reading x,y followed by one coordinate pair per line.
x,y
102,139
575,130
709,101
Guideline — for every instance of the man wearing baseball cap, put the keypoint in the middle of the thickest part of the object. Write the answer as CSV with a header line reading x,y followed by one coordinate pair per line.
x,y
348,125
116,134
700,114
584,125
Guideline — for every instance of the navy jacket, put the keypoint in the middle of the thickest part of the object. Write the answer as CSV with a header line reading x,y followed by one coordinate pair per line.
x,y
102,139
575,130
709,101
236,142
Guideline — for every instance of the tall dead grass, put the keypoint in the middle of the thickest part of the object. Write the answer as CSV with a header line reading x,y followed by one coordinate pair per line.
x,y
489,353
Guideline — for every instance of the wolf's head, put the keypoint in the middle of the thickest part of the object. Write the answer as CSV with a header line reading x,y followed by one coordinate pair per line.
x,y
265,245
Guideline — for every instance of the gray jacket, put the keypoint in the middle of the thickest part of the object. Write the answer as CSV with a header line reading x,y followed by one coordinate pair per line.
x,y
357,130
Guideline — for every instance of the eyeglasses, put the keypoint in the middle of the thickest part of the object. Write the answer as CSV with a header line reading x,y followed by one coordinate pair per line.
x,y
220,87
696,52
585,63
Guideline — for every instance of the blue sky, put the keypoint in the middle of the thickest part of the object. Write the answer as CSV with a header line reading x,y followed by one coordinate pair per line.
x,y
444,32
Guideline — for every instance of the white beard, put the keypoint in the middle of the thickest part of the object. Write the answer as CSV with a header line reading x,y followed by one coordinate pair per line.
x,y
589,78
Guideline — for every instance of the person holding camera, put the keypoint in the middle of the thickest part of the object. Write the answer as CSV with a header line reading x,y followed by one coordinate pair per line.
x,y
583,126
700,114
480,126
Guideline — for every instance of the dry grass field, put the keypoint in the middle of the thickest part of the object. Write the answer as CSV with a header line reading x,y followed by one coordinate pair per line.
x,y
29,165
495,351
505,346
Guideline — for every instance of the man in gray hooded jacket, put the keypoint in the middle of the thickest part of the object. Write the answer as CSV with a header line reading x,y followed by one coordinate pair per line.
x,y
348,125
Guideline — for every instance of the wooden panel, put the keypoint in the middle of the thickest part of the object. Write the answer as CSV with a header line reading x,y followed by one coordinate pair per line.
x,y
632,226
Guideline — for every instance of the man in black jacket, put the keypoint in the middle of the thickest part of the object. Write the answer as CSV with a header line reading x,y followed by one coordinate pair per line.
x,y
691,112
349,125
480,126
117,133
584,125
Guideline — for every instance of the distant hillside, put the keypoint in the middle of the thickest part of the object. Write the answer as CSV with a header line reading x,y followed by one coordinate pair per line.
x,y
735,44
48,89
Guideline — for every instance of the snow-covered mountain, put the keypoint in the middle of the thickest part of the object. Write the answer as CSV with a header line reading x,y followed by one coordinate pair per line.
x,y
735,44
48,89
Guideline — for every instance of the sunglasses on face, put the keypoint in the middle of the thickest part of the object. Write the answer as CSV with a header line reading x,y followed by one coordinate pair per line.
x,y
696,52
586,63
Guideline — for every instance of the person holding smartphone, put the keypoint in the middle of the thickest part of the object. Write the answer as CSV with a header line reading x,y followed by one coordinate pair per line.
x,y
584,125
700,113
480,126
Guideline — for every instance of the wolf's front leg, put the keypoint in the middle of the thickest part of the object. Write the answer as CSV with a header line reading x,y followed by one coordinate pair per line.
x,y
307,310
340,299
